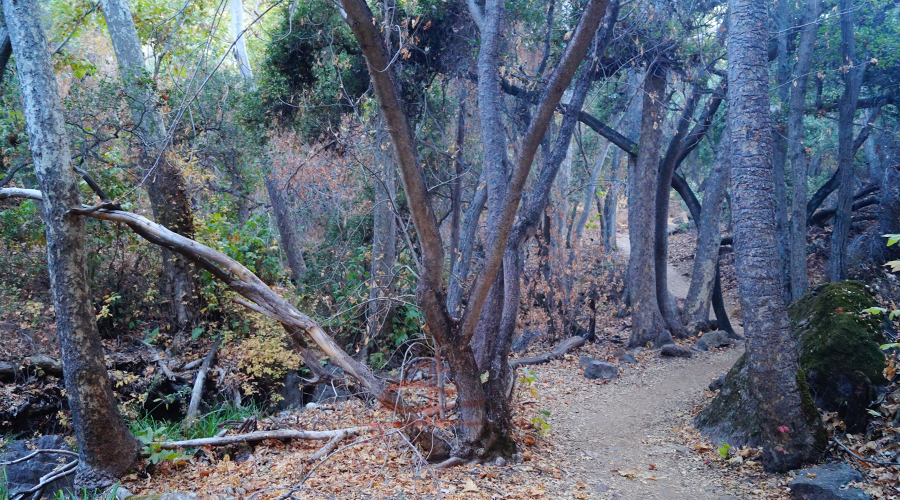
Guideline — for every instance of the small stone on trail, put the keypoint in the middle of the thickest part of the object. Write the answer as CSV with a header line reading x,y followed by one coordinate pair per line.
x,y
717,338
717,384
602,488
628,358
827,482
675,351
500,462
665,338
601,370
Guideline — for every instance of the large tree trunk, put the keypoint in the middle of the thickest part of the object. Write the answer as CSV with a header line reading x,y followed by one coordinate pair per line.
x,y
237,35
709,236
5,48
166,186
852,76
791,430
646,318
379,311
287,229
106,449
805,49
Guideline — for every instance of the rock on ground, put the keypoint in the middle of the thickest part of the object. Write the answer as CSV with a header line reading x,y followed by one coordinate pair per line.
x,y
675,351
717,338
827,482
25,475
601,370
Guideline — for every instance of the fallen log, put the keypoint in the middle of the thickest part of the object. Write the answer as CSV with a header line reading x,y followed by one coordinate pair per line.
x,y
559,351
254,437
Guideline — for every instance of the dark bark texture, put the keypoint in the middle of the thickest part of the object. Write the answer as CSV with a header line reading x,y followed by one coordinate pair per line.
x,y
789,427
105,446
287,229
799,167
709,235
852,76
647,321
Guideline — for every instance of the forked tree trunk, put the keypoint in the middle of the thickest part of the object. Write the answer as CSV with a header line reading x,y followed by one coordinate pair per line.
x,y
485,428
852,76
106,449
646,318
166,186
709,236
805,49
462,259
791,430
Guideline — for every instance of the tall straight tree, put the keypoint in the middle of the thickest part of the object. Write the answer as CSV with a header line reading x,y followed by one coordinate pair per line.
x,y
788,432
852,76
799,167
646,318
166,186
106,449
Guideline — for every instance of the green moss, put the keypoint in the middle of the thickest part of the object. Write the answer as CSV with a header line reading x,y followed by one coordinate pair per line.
x,y
837,338
810,411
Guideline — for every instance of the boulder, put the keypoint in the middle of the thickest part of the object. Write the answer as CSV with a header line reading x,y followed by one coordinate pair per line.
x,y
665,338
675,351
601,370
716,338
46,364
23,476
840,366
717,384
839,349
827,482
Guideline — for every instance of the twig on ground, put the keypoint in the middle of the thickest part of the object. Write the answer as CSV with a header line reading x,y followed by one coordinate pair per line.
x,y
258,436
329,446
36,453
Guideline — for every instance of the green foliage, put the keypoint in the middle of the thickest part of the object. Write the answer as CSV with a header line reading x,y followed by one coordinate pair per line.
x,y
723,450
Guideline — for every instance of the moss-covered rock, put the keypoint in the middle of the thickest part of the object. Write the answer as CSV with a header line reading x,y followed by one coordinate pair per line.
x,y
839,355
839,348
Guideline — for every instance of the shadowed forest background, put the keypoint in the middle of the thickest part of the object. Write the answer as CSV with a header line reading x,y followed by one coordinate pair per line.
x,y
393,235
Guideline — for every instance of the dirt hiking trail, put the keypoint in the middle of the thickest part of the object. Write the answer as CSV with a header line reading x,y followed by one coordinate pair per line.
x,y
626,440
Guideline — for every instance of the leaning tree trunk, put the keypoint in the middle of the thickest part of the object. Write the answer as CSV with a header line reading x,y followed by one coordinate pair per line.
x,y
166,187
106,449
667,166
852,76
379,310
646,318
805,49
791,428
709,236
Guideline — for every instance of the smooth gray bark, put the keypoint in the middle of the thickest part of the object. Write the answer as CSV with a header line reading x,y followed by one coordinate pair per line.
x,y
238,38
106,448
799,168
166,185
852,77
789,434
646,318
379,310
709,236
590,191
462,259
